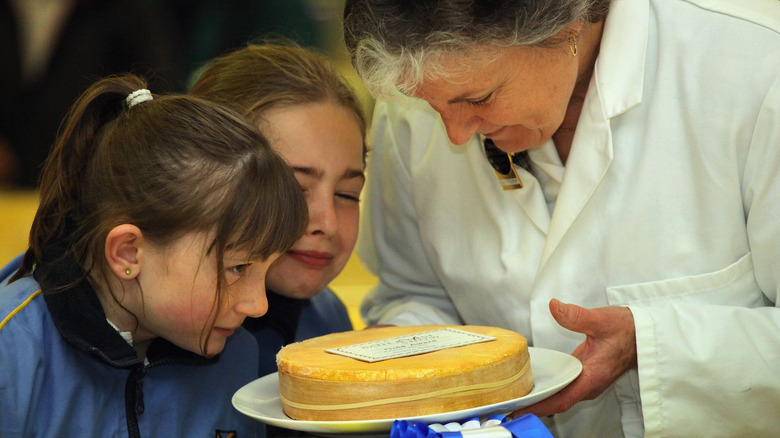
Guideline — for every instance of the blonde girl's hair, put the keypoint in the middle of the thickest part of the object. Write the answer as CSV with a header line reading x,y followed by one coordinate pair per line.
x,y
275,74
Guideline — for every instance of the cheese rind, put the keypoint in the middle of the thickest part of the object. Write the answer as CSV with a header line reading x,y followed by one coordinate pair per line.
x,y
321,386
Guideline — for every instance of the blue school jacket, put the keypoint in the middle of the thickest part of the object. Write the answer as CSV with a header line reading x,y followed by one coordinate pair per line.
x,y
67,373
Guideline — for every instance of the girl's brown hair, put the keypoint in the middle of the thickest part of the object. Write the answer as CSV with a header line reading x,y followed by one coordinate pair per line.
x,y
171,166
276,74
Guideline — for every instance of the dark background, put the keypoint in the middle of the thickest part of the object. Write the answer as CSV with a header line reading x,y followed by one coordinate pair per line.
x,y
165,41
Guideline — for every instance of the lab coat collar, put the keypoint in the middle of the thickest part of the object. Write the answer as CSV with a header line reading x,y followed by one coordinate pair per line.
x,y
615,88
620,67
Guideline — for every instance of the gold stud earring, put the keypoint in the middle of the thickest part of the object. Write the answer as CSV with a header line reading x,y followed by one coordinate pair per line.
x,y
127,271
573,46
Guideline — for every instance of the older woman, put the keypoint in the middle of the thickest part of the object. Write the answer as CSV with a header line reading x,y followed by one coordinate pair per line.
x,y
620,157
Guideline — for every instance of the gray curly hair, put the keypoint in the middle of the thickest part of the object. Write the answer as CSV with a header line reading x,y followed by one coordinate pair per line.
x,y
396,44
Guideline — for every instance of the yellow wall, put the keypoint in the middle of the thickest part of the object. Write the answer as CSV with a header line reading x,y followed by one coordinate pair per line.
x,y
351,286
17,209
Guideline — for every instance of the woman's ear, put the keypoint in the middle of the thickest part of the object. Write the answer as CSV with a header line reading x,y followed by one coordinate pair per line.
x,y
123,250
575,27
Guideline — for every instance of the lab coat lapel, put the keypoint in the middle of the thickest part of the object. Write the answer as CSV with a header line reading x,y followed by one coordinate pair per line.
x,y
589,160
615,88
531,199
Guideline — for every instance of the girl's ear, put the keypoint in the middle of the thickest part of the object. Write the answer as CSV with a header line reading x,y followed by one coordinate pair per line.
x,y
123,251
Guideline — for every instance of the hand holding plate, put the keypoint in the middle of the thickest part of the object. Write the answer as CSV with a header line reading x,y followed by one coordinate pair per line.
x,y
608,351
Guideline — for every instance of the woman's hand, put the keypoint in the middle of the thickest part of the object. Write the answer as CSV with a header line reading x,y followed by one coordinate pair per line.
x,y
608,351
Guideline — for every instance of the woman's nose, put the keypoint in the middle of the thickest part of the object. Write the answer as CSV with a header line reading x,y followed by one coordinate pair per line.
x,y
460,125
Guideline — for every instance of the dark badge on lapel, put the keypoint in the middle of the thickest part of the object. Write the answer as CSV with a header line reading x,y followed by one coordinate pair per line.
x,y
503,165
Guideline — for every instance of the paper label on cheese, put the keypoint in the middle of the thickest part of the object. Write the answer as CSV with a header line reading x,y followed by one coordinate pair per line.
x,y
410,345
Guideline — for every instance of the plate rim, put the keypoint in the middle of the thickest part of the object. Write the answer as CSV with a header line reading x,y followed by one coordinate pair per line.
x,y
573,368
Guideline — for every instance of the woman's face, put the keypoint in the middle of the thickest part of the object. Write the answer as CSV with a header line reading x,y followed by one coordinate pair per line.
x,y
518,98
323,144
179,297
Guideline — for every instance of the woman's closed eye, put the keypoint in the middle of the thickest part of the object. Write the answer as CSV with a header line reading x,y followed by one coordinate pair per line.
x,y
482,101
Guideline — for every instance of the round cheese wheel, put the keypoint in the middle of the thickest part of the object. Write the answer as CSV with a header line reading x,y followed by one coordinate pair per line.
x,y
316,385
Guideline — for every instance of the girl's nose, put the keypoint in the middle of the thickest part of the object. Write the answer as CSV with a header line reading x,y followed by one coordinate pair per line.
x,y
252,301
322,216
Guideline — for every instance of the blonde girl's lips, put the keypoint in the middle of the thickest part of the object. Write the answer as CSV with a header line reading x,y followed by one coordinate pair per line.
x,y
314,259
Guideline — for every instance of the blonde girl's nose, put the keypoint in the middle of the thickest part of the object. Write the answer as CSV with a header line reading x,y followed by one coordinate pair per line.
x,y
322,215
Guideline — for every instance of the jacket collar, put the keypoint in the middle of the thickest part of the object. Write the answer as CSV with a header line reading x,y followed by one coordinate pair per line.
x,y
79,317
615,88
620,66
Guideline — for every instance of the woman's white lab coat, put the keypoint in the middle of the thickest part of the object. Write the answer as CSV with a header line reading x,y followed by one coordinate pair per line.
x,y
669,204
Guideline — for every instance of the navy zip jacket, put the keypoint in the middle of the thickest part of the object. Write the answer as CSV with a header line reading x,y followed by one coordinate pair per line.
x,y
66,372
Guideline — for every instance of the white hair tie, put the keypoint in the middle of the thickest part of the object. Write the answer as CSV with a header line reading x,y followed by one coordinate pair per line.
x,y
137,97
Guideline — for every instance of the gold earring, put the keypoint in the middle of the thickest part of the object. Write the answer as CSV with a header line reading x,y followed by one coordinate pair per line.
x,y
573,46
127,271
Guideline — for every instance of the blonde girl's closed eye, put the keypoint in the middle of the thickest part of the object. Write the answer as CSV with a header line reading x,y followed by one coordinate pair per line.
x,y
350,197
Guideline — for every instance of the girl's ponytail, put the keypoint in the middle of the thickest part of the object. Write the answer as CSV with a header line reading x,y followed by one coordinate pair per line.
x,y
66,165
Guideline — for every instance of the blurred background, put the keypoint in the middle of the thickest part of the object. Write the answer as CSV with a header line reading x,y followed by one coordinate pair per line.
x,y
52,50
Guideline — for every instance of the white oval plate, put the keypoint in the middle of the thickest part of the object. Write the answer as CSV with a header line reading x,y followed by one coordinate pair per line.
x,y
260,400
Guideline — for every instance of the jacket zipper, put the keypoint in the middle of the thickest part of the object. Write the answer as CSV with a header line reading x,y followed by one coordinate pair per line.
x,y
134,399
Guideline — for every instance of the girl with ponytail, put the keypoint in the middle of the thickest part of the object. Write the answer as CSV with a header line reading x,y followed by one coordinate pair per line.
x,y
158,218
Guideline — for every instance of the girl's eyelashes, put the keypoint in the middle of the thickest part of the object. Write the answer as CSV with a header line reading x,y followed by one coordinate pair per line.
x,y
234,273
239,269
349,197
